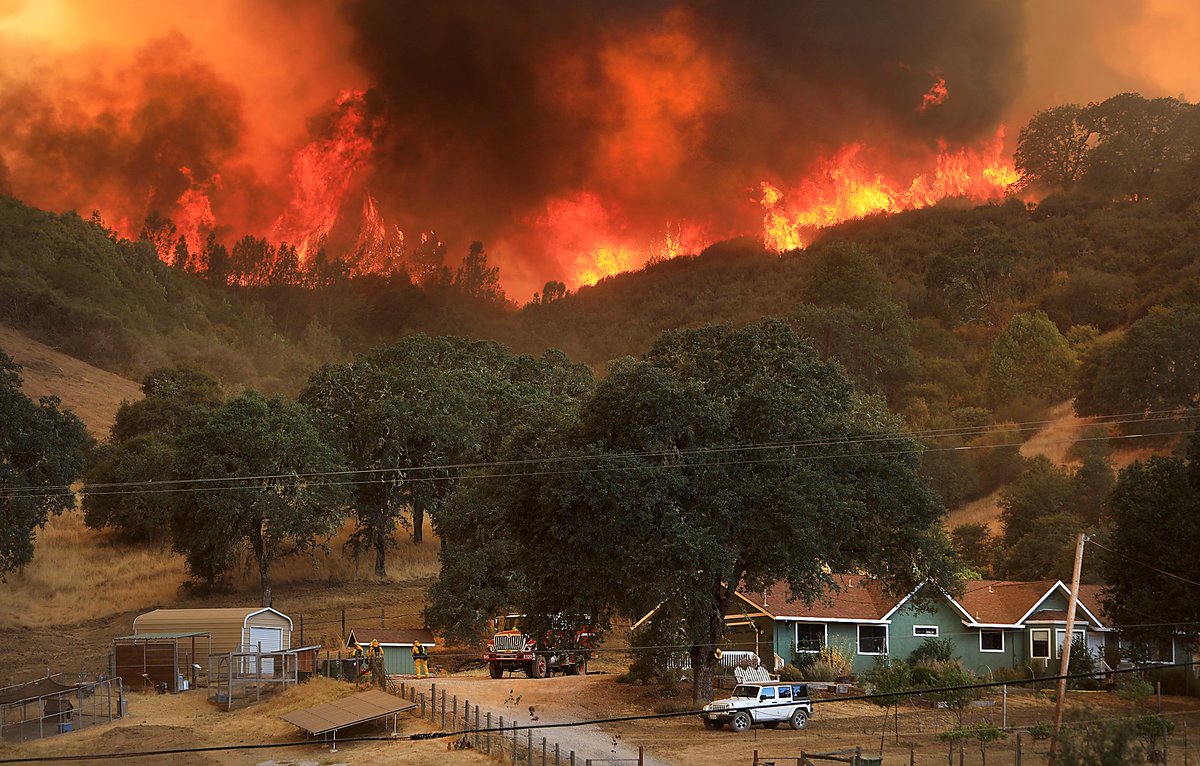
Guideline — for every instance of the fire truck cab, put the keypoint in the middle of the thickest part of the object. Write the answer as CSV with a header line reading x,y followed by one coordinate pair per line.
x,y
562,649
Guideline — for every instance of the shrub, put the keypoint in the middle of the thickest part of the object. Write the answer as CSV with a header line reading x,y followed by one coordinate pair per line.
x,y
838,657
791,673
821,670
932,650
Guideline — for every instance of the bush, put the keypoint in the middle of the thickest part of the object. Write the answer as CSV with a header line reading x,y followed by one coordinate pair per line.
x,y
924,676
821,670
932,650
791,673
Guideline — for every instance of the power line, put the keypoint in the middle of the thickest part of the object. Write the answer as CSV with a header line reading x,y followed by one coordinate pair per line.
x,y
1144,564
954,432
155,486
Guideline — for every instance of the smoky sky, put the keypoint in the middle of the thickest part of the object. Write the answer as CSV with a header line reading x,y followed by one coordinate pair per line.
x,y
470,111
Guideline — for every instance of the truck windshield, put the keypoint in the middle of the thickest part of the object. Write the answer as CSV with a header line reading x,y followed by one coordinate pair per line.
x,y
746,691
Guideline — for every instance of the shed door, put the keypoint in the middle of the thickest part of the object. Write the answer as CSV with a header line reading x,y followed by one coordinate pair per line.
x,y
271,640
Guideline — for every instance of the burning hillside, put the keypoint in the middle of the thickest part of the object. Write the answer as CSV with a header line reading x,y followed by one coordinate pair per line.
x,y
577,141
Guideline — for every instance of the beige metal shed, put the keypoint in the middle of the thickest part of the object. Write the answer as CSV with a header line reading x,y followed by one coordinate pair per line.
x,y
233,629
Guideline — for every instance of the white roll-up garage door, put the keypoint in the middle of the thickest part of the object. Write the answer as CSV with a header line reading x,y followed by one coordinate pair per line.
x,y
266,640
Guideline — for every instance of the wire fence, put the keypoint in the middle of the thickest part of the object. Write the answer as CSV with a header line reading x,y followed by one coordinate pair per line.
x,y
46,707
508,741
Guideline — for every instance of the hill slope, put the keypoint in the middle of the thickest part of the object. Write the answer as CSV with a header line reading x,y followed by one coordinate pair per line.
x,y
91,393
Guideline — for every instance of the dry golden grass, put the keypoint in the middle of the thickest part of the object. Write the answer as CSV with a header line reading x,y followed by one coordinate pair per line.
x,y
78,574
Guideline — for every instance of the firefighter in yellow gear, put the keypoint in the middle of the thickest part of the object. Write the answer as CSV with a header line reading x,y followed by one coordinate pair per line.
x,y
420,659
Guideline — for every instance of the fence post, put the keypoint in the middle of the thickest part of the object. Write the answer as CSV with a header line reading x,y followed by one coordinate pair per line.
x,y
556,760
487,738
641,756
571,758
477,727
443,709
432,701
1004,709
755,761
453,713
514,743
543,751
529,747
1018,748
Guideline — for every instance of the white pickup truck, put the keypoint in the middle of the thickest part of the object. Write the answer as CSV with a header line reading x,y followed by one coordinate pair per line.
x,y
769,704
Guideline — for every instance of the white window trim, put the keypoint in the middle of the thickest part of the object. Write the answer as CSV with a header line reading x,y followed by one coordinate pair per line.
x,y
1002,641
1049,646
887,640
796,638
936,631
1059,635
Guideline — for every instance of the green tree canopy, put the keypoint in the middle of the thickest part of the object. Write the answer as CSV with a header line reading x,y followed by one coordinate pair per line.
x,y
1042,489
1052,148
719,459
42,450
274,498
1154,365
1155,506
141,448
1030,360
406,414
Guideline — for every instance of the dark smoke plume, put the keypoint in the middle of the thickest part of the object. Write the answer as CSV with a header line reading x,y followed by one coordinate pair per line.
x,y
491,108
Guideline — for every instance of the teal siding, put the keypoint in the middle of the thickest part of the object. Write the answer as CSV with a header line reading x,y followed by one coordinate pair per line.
x,y
949,622
839,634
398,660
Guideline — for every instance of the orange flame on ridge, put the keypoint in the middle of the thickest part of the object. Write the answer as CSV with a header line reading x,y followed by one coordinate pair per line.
x,y
844,188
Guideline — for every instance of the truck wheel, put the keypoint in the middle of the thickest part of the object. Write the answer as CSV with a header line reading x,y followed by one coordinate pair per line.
x,y
539,668
576,668
712,724
799,720
496,670
740,722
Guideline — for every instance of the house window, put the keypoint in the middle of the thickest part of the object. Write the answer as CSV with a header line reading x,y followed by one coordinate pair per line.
x,y
872,639
1039,644
991,640
810,636
927,631
1080,635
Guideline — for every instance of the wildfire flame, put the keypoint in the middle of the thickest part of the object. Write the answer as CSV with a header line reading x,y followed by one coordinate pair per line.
x,y
321,174
937,94
845,187
592,244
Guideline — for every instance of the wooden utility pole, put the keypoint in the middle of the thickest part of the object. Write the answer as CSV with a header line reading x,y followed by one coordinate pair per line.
x,y
1065,665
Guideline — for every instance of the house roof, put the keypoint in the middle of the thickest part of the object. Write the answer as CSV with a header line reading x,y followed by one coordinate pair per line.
x,y
856,598
984,602
1090,595
398,637
1002,602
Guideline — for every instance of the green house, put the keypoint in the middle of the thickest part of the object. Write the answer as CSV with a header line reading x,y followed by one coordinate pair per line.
x,y
396,644
993,624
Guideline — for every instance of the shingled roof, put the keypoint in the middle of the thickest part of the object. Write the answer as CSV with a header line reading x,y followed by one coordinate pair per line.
x,y
986,602
856,598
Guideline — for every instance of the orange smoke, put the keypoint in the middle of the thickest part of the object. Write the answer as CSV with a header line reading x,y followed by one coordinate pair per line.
x,y
846,187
